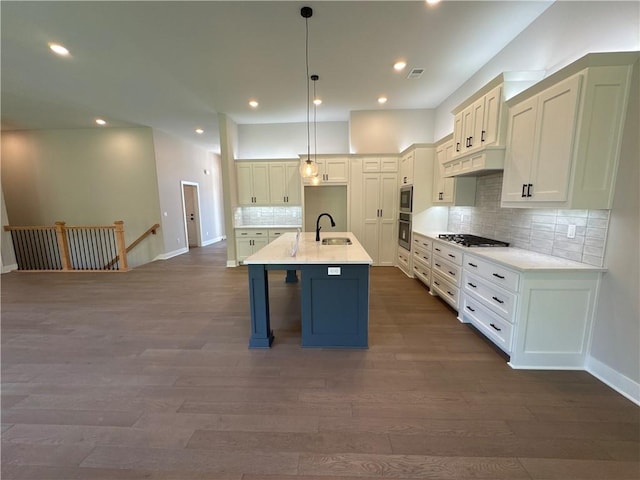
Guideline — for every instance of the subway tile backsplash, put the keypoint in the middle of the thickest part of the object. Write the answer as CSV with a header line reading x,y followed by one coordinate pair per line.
x,y
244,216
539,230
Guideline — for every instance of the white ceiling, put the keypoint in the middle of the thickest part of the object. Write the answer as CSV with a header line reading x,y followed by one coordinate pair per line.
x,y
175,65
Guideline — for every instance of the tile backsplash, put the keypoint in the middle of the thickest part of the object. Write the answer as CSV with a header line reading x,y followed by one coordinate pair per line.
x,y
539,230
244,216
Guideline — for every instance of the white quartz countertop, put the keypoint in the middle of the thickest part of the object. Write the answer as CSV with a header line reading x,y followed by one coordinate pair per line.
x,y
310,252
268,226
518,258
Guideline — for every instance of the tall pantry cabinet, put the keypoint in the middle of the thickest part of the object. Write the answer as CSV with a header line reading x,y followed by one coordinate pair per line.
x,y
374,211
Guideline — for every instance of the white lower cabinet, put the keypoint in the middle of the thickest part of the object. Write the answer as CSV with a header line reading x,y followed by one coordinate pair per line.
x,y
404,261
421,253
249,241
446,268
541,318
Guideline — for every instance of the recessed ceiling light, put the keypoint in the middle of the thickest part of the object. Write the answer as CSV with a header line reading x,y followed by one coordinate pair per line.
x,y
399,65
317,101
433,2
382,100
59,49
199,131
253,104
100,121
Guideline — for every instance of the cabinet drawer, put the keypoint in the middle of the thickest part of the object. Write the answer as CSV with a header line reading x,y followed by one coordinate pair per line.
x,y
422,242
421,255
445,289
447,270
495,273
422,273
497,299
450,254
498,330
252,232
275,233
403,260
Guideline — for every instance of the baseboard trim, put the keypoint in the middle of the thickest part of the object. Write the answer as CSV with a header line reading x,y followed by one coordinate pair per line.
x,y
616,380
168,255
212,241
9,268
232,263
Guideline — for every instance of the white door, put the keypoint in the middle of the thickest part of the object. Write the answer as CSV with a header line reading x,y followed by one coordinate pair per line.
x,y
191,213
387,241
371,207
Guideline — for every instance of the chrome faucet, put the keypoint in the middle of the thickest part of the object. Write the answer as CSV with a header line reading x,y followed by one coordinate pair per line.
x,y
318,227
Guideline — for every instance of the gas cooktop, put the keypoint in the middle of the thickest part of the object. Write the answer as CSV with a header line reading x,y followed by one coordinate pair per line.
x,y
467,240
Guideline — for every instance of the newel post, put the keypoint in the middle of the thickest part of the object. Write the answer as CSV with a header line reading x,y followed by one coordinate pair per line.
x,y
63,246
122,247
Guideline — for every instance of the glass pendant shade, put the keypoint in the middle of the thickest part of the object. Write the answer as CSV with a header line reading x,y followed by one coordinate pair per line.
x,y
308,169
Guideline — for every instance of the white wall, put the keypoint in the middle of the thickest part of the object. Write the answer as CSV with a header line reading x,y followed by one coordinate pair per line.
x,y
176,161
565,32
616,332
84,177
389,131
288,140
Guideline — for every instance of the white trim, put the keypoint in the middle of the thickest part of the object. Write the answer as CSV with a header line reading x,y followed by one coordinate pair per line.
x,y
9,268
184,213
212,241
232,263
616,380
168,255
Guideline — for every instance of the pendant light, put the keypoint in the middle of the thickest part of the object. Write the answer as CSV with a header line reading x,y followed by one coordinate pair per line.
x,y
308,168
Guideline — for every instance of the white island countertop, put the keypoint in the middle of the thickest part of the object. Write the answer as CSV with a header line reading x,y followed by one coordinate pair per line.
x,y
520,259
309,251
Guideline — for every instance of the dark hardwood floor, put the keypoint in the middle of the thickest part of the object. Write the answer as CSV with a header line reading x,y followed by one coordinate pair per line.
x,y
147,374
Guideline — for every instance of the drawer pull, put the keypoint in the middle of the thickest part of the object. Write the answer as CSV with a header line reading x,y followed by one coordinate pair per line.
x,y
498,276
437,264
472,265
453,274
497,299
471,285
450,294
436,283
437,249
495,328
452,256
471,309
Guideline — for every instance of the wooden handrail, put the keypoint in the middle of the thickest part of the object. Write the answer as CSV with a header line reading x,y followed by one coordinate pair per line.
x,y
150,230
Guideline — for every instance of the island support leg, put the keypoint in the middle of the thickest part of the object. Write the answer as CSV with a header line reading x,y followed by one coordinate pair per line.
x,y
261,333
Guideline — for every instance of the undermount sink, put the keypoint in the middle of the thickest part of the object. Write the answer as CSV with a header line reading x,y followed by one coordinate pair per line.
x,y
336,241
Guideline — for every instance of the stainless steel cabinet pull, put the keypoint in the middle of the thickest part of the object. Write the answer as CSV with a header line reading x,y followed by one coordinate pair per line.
x,y
495,328
497,299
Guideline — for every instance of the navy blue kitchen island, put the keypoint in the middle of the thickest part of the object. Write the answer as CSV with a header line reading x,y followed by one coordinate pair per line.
x,y
335,290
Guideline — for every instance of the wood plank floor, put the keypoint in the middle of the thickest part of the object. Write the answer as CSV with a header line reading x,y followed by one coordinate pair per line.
x,y
147,374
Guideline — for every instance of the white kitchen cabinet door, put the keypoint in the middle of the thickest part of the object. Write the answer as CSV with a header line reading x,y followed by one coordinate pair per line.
x,y
253,183
407,163
336,170
294,185
451,191
370,199
493,106
541,138
477,127
278,183
556,127
388,219
521,138
458,134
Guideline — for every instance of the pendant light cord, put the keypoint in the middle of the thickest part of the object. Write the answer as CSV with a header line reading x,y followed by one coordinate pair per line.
x,y
315,123
306,22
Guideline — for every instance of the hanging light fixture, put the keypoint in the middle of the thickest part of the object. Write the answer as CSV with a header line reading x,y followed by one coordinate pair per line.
x,y
308,168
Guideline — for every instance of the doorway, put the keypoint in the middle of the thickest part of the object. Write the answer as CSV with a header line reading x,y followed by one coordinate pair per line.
x,y
191,209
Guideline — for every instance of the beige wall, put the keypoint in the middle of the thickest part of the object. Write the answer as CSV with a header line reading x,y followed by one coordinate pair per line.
x,y
84,177
177,161
8,256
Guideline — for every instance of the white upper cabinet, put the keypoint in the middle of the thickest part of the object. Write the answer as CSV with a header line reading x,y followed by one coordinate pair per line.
x,y
479,124
451,191
564,140
407,162
375,165
332,170
284,183
253,183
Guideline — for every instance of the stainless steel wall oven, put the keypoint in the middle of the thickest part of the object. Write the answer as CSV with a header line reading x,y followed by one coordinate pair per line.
x,y
404,231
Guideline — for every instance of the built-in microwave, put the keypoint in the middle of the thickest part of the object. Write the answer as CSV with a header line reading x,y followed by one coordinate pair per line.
x,y
406,199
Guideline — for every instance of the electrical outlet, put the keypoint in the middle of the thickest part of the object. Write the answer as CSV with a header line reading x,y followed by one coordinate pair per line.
x,y
571,231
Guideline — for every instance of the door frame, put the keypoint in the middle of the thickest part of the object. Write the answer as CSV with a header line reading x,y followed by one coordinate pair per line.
x,y
198,219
